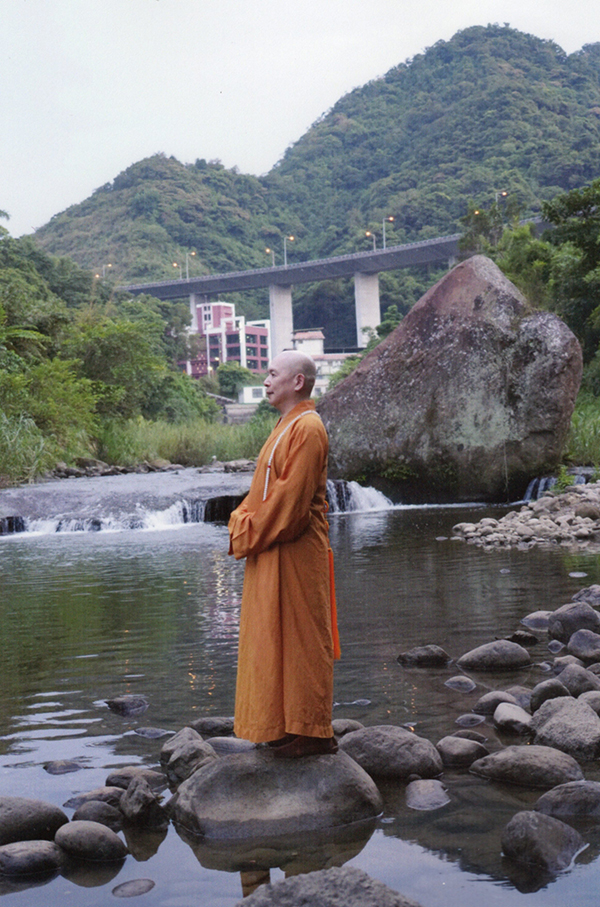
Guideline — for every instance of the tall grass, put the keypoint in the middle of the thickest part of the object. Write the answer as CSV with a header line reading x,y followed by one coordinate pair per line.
x,y
583,445
196,443
24,451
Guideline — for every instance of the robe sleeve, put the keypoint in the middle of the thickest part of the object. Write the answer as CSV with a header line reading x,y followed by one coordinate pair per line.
x,y
285,514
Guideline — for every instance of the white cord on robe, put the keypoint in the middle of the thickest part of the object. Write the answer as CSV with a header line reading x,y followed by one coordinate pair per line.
x,y
308,412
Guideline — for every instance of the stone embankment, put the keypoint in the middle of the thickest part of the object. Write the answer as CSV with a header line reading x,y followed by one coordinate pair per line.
x,y
569,519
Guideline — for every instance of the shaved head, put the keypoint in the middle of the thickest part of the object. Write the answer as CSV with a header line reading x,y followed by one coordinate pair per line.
x,y
290,379
296,363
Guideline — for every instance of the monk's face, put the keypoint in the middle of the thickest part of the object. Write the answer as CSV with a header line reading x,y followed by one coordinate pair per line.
x,y
283,383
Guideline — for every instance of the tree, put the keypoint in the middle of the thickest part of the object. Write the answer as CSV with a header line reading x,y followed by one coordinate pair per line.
x,y
575,268
233,377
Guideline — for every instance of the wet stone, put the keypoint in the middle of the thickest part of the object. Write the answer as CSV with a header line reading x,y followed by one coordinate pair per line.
x,y
460,750
500,655
460,683
547,689
62,767
489,702
532,837
29,858
213,726
429,656
133,889
90,841
574,800
96,811
471,720
152,733
343,726
529,766
392,752
426,794
537,620
124,775
24,819
128,705
111,795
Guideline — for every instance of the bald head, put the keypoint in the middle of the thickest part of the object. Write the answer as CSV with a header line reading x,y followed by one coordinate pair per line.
x,y
296,363
290,379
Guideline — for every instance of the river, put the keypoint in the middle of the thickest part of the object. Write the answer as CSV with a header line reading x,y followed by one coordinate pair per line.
x,y
86,616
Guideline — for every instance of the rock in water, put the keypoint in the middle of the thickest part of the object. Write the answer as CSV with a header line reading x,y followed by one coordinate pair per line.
x,y
467,399
532,837
249,795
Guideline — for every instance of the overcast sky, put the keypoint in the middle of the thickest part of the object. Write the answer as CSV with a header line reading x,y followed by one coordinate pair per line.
x,y
87,87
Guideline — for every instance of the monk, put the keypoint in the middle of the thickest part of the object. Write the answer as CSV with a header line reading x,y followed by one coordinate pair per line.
x,y
285,663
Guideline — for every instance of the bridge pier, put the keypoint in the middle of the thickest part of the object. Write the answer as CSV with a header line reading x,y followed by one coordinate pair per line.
x,y
368,309
282,320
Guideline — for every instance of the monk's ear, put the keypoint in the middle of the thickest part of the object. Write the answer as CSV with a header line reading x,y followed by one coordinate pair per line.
x,y
299,382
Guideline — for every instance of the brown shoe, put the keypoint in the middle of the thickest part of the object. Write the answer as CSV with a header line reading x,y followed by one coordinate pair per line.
x,y
281,741
306,746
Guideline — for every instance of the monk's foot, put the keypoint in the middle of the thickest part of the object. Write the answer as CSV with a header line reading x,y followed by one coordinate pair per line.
x,y
306,746
281,741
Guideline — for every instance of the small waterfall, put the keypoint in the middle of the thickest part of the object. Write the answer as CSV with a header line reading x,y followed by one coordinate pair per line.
x,y
538,486
347,497
179,513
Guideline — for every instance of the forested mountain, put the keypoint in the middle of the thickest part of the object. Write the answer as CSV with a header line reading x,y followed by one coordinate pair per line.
x,y
488,112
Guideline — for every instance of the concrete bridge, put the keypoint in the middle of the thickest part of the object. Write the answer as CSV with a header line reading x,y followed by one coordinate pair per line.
x,y
364,267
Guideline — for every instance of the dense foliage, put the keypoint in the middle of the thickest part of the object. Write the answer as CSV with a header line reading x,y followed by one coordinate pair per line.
x,y
490,111
74,358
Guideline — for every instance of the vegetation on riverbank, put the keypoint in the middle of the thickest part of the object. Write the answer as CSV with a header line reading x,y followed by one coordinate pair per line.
x,y
195,443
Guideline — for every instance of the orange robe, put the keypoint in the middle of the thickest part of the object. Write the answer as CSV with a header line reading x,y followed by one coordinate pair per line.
x,y
285,658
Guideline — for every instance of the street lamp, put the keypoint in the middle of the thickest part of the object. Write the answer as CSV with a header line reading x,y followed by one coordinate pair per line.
x,y
372,235
104,267
389,220
502,194
285,239
187,264
271,252
177,265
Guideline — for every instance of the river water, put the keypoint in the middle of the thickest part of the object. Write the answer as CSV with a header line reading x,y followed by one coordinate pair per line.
x,y
86,616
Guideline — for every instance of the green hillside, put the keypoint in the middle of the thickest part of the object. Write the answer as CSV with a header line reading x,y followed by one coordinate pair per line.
x,y
492,110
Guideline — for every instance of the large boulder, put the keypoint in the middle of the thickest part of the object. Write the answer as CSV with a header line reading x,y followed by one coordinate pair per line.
x,y
467,399
248,795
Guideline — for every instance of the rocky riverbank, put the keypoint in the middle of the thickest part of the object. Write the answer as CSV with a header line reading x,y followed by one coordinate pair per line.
x,y
570,519
542,739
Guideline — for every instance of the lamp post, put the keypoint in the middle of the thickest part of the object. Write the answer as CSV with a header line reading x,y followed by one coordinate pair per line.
x,y
372,235
500,194
389,220
271,252
187,264
177,265
104,267
285,239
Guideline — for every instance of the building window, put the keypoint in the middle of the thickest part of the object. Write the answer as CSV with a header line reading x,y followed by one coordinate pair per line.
x,y
263,340
250,338
251,351
252,363
257,392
